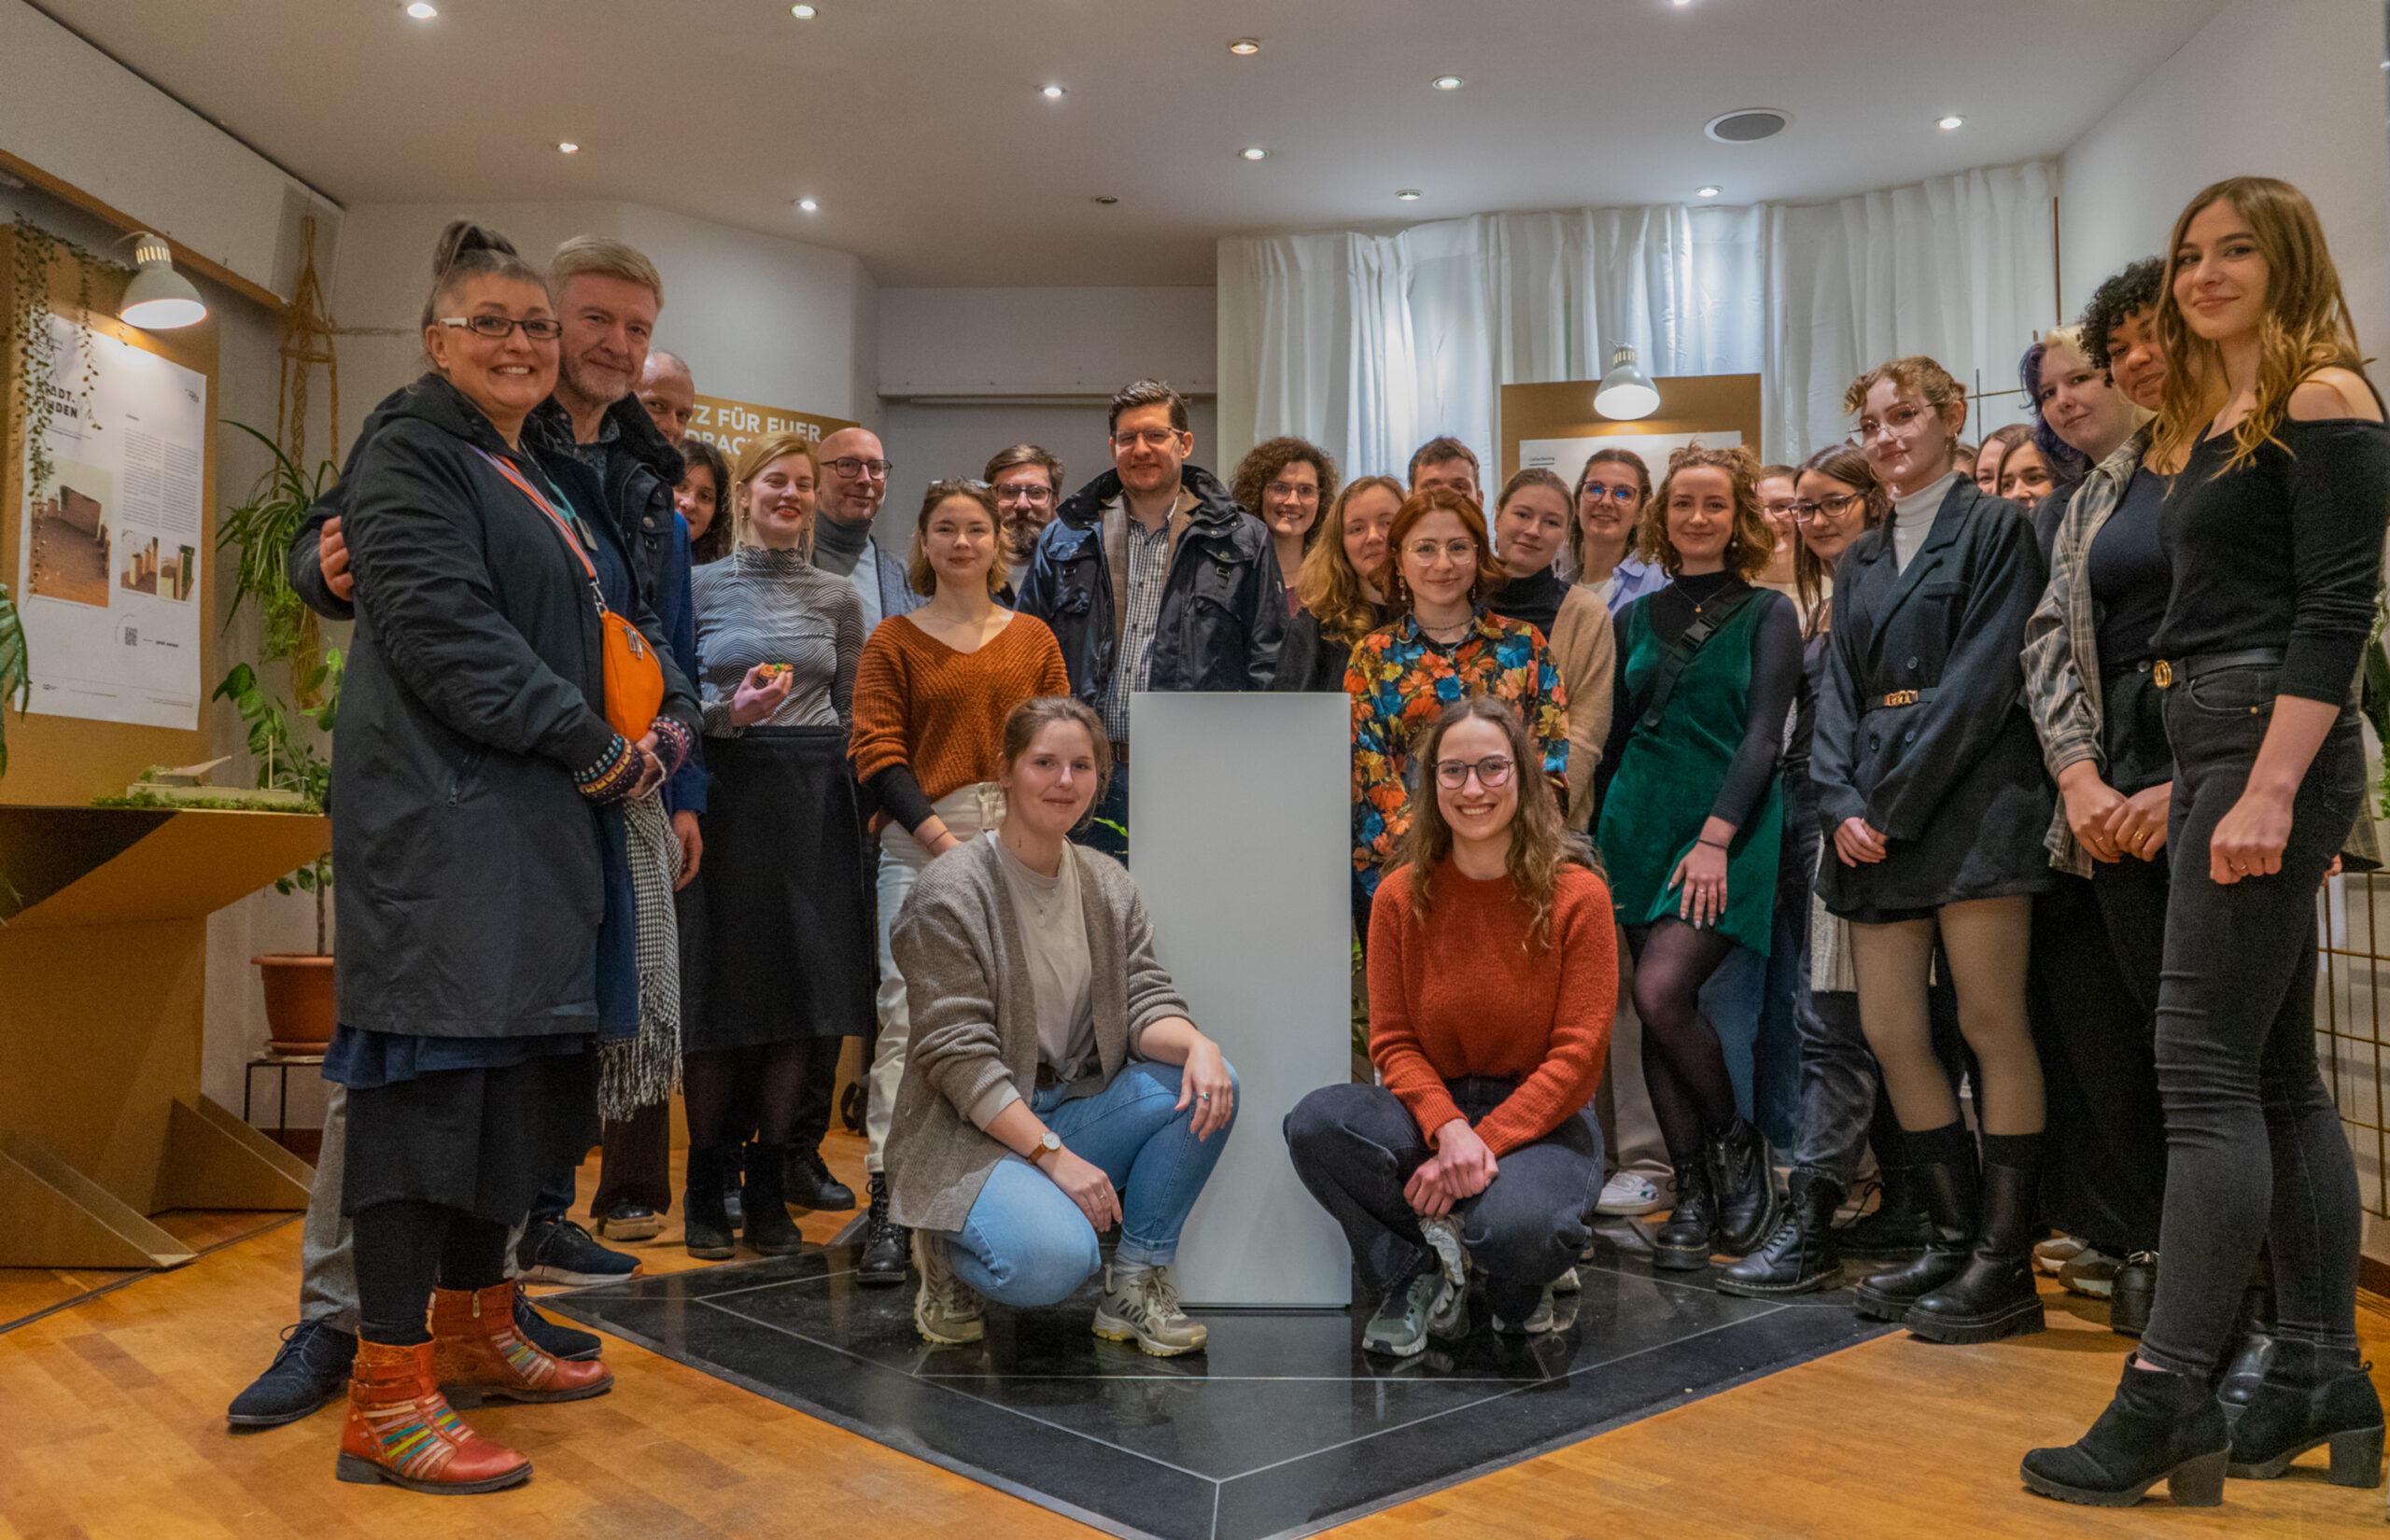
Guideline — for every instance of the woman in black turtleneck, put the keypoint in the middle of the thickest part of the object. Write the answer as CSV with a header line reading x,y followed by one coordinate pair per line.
x,y
1531,528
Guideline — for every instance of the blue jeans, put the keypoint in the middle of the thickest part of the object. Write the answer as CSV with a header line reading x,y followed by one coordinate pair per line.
x,y
1025,1243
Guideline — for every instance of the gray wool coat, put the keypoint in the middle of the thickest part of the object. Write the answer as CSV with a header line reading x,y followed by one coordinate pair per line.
x,y
975,1016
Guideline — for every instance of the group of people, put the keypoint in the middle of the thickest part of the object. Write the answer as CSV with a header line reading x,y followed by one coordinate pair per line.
x,y
2017,768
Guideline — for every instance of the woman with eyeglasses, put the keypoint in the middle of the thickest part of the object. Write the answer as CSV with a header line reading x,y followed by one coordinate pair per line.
x,y
789,943
932,695
1337,599
1692,816
1472,1152
1284,483
1531,520
486,904
1445,645
1930,790
2272,530
1612,491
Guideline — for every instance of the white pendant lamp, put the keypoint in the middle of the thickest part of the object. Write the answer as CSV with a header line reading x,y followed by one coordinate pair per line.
x,y
159,299
1626,392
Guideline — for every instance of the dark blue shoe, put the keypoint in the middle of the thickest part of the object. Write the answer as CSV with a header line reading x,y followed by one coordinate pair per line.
x,y
553,1338
557,1250
311,1368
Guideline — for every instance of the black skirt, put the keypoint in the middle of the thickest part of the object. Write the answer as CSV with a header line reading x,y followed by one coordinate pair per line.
x,y
790,947
483,1140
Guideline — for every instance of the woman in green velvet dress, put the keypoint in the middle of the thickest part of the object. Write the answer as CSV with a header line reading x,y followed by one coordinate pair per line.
x,y
1691,820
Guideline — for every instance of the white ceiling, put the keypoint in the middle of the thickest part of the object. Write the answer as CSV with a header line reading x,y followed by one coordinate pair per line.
x,y
919,127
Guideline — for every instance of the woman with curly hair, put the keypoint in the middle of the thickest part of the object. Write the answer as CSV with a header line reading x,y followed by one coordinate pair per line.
x,y
1284,483
1692,823
1337,599
703,499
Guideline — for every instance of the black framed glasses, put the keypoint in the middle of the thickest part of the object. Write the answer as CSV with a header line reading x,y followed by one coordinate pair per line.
x,y
1024,492
1491,771
1825,507
852,466
496,326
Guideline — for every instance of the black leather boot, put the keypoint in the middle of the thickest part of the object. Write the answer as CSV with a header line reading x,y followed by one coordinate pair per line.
x,y
2309,1397
1949,1197
770,1232
1994,1296
809,1183
2133,1294
2160,1426
1689,1235
2250,1350
1743,1170
704,1229
1800,1255
1896,1229
886,1245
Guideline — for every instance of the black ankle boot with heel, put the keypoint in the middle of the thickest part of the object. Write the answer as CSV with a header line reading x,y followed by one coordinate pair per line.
x,y
2310,1397
705,1228
1992,1295
1800,1255
1689,1235
770,1232
1946,1189
2160,1427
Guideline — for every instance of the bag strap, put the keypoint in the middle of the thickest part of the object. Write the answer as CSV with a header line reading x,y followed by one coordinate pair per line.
x,y
571,540
1708,624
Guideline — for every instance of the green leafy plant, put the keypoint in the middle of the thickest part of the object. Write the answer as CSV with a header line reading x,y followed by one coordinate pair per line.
x,y
291,763
34,348
15,670
259,532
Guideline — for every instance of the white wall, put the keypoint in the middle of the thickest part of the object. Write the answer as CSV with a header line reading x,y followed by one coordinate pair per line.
x,y
758,319
2291,89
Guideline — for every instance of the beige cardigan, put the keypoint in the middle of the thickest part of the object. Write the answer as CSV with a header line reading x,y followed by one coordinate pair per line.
x,y
1584,649
975,1014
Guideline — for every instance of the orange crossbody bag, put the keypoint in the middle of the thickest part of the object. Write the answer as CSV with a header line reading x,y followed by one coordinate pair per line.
x,y
634,679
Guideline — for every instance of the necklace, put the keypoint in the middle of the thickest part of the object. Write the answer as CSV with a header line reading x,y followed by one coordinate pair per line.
x,y
1438,633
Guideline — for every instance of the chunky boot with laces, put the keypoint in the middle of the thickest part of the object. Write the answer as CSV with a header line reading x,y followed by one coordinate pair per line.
x,y
2310,1398
1994,1296
1949,1199
770,1232
1896,1229
2160,1427
1689,1235
1744,1170
479,1354
402,1429
1144,1307
705,1224
948,1312
885,1242
1800,1256
806,1180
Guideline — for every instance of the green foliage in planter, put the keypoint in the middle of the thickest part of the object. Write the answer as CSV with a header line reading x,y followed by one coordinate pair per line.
x,y
260,531
289,762
16,671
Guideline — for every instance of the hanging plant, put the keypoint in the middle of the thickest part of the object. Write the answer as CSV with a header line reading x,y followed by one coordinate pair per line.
x,y
31,350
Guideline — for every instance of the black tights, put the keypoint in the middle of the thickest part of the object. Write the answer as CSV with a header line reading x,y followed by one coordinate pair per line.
x,y
1684,1066
767,1081
402,1248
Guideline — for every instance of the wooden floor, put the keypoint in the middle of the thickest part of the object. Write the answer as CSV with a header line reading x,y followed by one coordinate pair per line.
x,y
111,1424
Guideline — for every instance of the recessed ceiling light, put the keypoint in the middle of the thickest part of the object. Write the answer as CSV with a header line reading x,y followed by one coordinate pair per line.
x,y
566,147
1253,152
1244,46
1051,93
1681,3
1410,195
803,13
1446,82
1708,191
423,10
807,204
1953,121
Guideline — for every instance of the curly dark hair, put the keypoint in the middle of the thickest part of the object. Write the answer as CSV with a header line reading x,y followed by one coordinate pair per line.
x,y
2136,288
1261,466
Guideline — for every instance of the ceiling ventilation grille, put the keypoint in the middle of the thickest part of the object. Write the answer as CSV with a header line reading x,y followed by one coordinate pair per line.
x,y
1749,124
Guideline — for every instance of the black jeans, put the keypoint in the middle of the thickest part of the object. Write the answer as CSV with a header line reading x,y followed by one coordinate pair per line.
x,y
2255,1149
1354,1146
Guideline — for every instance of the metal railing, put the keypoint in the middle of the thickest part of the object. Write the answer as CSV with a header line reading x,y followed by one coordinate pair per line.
x,y
2353,932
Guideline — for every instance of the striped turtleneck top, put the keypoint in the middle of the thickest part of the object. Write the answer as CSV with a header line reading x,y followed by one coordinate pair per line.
x,y
761,606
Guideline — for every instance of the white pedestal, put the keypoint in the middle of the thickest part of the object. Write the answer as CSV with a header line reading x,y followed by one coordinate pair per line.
x,y
1240,816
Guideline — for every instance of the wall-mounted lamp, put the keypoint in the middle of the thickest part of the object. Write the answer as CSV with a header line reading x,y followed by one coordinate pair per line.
x,y
159,299
1626,392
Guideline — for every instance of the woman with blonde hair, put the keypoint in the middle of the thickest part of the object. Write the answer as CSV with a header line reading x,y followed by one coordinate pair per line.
x,y
1531,520
789,945
1337,599
2273,533
1692,823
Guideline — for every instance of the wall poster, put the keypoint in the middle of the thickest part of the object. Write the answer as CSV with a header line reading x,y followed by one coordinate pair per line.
x,y
109,577
728,424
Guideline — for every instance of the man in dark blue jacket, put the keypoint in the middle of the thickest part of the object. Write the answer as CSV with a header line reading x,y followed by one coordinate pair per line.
x,y
1152,578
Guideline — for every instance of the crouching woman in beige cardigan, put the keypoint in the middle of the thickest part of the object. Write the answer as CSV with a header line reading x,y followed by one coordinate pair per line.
x,y
1054,1086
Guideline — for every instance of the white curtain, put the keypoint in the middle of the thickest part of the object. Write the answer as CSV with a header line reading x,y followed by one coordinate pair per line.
x,y
1368,345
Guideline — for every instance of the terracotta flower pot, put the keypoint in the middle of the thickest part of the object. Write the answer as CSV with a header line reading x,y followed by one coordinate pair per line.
x,y
300,1009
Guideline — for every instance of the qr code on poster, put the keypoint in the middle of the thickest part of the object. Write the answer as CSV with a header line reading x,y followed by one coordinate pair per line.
x,y
132,636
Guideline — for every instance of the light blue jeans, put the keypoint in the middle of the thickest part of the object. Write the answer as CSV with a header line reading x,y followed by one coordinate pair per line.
x,y
1025,1243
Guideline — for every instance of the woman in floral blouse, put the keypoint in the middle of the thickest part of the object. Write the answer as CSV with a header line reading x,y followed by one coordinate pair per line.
x,y
1442,646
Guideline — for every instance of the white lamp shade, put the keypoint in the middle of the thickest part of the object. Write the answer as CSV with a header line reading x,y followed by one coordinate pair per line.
x,y
1626,392
159,299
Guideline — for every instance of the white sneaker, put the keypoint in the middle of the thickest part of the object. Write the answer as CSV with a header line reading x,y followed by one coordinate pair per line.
x,y
1449,1317
1567,1283
1629,1193
1145,1309
947,1311
2056,1252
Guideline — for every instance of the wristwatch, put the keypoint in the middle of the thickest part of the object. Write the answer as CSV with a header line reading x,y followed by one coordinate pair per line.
x,y
1048,1146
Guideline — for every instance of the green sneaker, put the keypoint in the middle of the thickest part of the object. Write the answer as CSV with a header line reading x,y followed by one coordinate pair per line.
x,y
1399,1327
1145,1306
1567,1283
1449,1318
1539,1320
946,1312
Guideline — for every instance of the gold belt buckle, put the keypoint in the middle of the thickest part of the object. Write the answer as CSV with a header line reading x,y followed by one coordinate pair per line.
x,y
1901,697
2161,674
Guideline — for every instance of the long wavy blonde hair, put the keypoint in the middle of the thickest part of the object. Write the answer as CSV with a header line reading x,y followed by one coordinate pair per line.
x,y
2307,326
1327,582
1540,844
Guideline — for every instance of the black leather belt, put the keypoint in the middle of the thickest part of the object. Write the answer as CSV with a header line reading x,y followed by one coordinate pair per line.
x,y
2167,672
1899,698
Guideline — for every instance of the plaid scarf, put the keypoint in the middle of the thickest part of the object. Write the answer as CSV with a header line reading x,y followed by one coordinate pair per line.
x,y
646,1069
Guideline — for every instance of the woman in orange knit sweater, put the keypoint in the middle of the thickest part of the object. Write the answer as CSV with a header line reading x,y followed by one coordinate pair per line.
x,y
931,694
1493,980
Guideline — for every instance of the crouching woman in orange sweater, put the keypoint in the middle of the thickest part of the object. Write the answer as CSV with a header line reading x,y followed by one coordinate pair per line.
x,y
1493,980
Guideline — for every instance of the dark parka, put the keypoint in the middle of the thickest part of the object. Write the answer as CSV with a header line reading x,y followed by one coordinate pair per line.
x,y
1223,606
469,865
1953,779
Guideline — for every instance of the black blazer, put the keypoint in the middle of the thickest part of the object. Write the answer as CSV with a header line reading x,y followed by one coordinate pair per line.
x,y
1949,772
